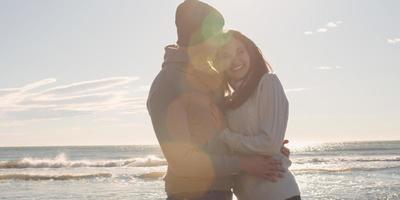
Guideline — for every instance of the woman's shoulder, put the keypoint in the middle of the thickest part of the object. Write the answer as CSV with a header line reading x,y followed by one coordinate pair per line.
x,y
269,85
268,80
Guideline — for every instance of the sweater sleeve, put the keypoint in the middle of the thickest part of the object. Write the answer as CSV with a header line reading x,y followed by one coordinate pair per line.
x,y
272,115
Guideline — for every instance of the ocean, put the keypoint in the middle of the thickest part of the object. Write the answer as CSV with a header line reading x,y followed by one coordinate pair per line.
x,y
351,170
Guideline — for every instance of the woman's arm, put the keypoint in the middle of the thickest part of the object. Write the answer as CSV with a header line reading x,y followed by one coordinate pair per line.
x,y
272,108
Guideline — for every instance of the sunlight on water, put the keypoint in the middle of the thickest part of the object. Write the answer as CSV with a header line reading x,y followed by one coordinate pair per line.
x,y
368,170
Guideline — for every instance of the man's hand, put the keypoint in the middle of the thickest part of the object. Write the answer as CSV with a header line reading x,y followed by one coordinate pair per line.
x,y
262,166
285,151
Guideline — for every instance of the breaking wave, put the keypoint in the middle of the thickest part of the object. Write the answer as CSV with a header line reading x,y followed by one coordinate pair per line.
x,y
335,160
345,169
38,177
61,161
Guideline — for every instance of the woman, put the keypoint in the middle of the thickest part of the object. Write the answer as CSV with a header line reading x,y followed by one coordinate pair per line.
x,y
257,114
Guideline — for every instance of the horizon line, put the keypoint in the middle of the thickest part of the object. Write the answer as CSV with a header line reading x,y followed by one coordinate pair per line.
x,y
156,144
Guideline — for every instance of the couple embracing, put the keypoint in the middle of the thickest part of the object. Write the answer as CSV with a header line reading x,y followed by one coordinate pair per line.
x,y
220,114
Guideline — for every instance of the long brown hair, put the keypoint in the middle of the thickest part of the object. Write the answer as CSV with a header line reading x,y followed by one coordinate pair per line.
x,y
258,67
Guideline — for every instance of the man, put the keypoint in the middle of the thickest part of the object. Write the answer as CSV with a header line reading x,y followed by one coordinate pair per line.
x,y
183,105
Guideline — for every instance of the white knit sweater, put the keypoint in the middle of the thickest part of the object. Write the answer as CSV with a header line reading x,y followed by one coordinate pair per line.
x,y
258,126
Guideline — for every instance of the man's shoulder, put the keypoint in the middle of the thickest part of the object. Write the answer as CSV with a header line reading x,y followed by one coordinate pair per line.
x,y
170,83
172,77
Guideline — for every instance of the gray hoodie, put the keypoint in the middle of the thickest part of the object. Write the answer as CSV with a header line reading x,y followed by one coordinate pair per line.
x,y
197,160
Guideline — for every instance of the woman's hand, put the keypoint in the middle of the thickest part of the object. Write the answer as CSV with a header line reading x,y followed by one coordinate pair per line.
x,y
285,151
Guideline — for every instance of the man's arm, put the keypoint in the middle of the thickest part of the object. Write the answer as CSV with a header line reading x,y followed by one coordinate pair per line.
x,y
187,159
184,155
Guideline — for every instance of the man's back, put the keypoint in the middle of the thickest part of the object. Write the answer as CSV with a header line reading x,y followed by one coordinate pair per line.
x,y
184,114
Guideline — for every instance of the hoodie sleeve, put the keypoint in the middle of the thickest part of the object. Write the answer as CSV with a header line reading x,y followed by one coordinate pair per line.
x,y
184,151
272,107
171,110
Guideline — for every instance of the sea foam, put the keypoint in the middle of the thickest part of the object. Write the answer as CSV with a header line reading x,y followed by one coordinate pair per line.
x,y
61,161
40,177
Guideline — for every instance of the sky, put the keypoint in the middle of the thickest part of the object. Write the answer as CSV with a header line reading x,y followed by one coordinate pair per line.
x,y
77,72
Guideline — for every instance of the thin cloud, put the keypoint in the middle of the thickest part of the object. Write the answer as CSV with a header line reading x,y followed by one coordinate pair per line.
x,y
393,40
7,91
328,67
308,32
331,25
55,98
48,114
33,101
38,84
93,85
11,96
323,68
143,88
6,124
297,89
324,29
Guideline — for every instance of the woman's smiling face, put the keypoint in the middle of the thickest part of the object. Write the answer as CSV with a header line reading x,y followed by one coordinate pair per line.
x,y
234,59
